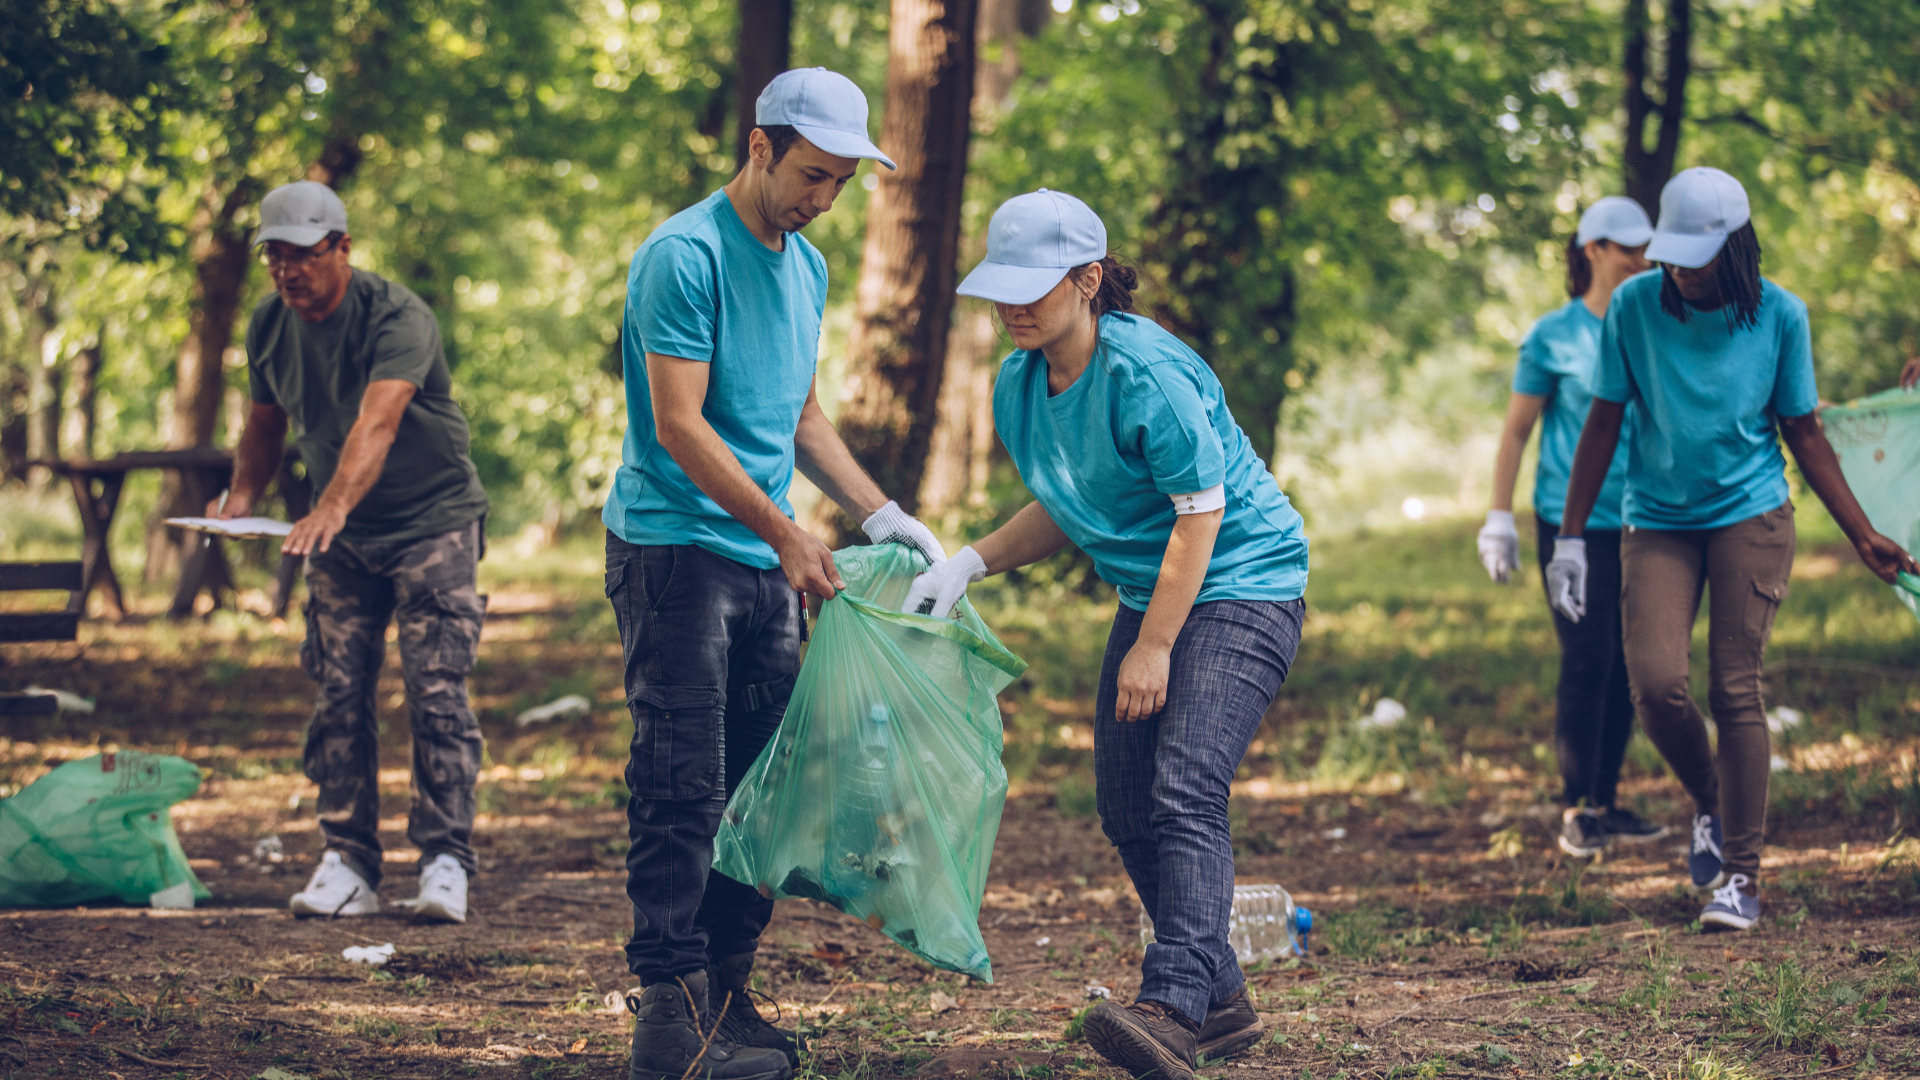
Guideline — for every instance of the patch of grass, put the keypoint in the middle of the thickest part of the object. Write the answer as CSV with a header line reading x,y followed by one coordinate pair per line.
x,y
1712,1066
1076,1028
1781,1005
1359,934
1656,984
1073,796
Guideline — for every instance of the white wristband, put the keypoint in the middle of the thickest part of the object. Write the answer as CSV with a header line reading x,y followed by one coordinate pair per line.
x,y
1200,502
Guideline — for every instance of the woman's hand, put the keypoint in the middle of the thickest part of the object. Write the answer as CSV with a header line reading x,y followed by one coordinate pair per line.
x,y
1143,683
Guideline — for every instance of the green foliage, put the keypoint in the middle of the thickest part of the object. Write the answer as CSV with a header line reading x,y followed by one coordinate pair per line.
x,y
1783,1005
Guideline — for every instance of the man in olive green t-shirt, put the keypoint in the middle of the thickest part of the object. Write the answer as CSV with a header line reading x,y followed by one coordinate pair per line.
x,y
352,364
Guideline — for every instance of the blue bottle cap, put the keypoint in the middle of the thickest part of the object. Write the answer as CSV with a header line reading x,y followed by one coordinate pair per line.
x,y
1302,920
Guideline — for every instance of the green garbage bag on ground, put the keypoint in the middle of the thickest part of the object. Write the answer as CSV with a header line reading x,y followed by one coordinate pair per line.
x,y
1878,440
881,792
96,829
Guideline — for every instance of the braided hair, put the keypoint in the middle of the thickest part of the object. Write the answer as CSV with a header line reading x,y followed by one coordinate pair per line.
x,y
1736,277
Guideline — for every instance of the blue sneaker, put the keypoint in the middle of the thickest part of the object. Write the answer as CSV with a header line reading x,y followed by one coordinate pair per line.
x,y
1703,859
1732,905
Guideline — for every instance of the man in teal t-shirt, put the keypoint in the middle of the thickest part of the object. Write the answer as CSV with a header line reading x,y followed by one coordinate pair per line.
x,y
705,565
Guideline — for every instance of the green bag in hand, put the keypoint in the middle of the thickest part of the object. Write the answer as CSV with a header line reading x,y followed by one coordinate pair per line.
x,y
1878,441
99,828
881,792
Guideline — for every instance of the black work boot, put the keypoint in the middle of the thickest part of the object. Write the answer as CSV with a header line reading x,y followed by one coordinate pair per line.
x,y
668,1039
740,1018
1231,1027
1146,1038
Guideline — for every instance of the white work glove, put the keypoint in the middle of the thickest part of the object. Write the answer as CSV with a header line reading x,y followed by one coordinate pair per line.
x,y
892,525
1499,545
936,591
1567,577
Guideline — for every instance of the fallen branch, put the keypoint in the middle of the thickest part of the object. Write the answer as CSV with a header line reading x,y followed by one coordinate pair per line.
x,y
174,1066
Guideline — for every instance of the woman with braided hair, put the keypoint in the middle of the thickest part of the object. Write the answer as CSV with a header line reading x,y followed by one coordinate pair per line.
x,y
1717,364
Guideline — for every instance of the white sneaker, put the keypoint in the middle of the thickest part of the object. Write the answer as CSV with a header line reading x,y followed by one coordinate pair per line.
x,y
335,889
443,892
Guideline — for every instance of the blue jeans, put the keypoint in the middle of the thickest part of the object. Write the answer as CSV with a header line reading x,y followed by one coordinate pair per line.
x,y
711,649
1162,784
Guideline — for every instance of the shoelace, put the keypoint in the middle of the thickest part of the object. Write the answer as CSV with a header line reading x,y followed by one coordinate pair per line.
x,y
1729,894
1703,835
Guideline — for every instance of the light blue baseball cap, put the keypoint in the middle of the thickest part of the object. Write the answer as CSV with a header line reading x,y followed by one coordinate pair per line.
x,y
825,107
1032,241
1699,208
1616,218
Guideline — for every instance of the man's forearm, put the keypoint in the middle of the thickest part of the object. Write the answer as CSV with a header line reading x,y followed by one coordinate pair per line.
x,y
1182,571
711,465
257,460
823,458
361,461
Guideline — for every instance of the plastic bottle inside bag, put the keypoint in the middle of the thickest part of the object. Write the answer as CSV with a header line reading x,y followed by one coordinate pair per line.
x,y
1265,924
868,820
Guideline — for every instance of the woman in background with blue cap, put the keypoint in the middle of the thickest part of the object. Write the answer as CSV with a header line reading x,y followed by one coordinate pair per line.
x,y
1593,712
1122,434
1718,363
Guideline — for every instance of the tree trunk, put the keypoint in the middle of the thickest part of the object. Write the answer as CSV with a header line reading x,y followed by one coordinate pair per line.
x,y
960,456
1647,170
904,307
765,49
86,393
44,382
221,259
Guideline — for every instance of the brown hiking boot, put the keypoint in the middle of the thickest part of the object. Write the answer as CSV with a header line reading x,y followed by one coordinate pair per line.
x,y
1231,1027
1146,1038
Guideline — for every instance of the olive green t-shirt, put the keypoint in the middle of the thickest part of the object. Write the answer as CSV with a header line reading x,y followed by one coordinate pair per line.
x,y
318,372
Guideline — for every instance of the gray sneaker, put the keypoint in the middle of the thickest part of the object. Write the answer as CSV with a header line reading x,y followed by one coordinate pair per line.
x,y
1626,825
1581,834
1735,905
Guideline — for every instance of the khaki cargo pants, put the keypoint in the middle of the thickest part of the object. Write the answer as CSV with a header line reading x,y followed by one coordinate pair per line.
x,y
353,590
1746,566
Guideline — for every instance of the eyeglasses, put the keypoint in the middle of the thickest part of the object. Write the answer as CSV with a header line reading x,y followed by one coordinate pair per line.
x,y
281,255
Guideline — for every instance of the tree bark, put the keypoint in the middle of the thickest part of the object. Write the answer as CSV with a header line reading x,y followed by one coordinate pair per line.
x,y
1648,170
44,389
765,49
904,307
86,393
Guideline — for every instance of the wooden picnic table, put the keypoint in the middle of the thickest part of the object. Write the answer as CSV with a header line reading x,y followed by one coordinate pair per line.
x,y
96,489
39,625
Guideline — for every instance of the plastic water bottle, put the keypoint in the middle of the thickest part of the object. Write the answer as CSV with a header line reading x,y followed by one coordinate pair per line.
x,y
1265,924
867,820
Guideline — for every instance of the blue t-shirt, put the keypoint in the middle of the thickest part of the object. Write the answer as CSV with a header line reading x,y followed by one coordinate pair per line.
x,y
1704,450
1147,420
1556,363
702,288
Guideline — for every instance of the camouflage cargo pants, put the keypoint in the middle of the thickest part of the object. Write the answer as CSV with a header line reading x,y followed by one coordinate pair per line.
x,y
353,591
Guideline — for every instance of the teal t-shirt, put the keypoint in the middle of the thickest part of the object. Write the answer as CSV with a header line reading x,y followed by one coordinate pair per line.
x,y
1704,450
1556,363
702,288
1145,421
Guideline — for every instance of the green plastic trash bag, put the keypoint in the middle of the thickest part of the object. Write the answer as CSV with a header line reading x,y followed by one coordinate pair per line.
x,y
881,792
1878,440
99,828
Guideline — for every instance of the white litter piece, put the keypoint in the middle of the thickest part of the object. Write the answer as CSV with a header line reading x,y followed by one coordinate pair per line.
x,y
1386,714
67,699
616,1000
1782,718
571,707
1780,764
1096,992
1044,941
268,849
1335,834
173,897
371,955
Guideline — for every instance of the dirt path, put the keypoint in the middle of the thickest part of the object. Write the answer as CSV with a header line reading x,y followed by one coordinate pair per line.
x,y
1422,970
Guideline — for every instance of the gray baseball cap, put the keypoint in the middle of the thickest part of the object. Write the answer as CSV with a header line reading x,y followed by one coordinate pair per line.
x,y
301,213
